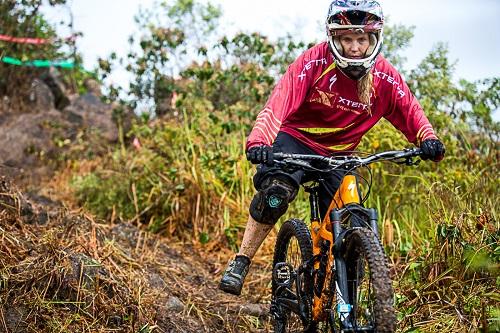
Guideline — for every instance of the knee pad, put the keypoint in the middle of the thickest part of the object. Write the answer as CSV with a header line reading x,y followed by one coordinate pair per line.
x,y
272,200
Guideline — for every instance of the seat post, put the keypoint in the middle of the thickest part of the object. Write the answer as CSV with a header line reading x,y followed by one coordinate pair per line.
x,y
313,201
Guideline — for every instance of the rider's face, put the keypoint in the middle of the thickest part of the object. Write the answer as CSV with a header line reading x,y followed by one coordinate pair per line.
x,y
355,45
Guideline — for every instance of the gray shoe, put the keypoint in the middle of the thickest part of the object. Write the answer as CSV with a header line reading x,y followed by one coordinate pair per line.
x,y
234,276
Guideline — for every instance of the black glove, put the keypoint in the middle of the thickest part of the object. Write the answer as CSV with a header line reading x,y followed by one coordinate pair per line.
x,y
432,149
260,154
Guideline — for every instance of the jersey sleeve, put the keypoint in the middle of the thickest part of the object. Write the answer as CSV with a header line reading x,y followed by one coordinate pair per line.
x,y
286,98
404,110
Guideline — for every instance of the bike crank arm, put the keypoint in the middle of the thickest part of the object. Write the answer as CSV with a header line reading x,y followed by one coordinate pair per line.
x,y
284,275
291,304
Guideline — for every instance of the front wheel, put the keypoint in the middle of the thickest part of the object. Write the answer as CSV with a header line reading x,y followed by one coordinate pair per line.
x,y
291,305
368,282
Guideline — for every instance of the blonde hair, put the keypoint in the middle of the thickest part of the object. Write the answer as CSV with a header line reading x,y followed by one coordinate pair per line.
x,y
365,87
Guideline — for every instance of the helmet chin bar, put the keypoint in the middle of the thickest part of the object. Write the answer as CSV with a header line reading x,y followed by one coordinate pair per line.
x,y
355,74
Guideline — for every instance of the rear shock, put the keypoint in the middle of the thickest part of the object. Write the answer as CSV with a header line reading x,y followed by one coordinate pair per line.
x,y
321,272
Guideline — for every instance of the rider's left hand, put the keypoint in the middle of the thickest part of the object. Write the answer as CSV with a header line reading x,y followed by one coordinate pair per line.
x,y
432,149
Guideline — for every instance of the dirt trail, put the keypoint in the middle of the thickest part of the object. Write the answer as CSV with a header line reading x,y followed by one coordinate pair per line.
x,y
63,271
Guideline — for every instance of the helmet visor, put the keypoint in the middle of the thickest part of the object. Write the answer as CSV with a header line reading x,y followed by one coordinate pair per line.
x,y
335,29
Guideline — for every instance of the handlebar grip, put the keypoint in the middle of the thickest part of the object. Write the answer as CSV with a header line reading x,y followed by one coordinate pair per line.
x,y
260,155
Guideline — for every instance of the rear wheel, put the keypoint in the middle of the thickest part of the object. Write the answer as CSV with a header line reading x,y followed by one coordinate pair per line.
x,y
369,284
294,247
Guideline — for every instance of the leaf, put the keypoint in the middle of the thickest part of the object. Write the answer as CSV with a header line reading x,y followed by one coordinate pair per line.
x,y
204,238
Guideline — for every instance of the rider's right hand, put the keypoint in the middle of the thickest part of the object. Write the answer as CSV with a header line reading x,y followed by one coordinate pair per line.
x,y
260,154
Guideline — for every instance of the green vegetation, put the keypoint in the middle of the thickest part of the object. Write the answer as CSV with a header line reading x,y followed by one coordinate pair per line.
x,y
439,221
24,19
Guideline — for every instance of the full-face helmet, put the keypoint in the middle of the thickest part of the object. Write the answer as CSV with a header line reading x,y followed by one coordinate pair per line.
x,y
351,16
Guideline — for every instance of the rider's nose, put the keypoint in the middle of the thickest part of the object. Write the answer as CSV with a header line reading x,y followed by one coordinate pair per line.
x,y
355,47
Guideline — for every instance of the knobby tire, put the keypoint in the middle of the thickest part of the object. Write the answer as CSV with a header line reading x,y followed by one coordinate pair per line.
x,y
362,251
294,239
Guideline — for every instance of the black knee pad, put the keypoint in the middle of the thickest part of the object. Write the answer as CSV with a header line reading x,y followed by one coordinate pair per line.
x,y
272,200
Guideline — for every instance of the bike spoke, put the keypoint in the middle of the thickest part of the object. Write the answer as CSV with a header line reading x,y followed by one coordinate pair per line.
x,y
363,308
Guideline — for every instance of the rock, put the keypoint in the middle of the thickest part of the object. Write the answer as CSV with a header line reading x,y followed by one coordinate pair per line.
x,y
14,203
126,234
27,136
164,107
115,321
15,318
174,304
89,111
34,143
255,310
41,96
4,106
156,281
93,87
44,207
54,81
83,277
85,270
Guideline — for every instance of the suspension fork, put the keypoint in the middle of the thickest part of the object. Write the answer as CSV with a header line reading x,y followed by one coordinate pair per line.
x,y
344,303
341,288
347,194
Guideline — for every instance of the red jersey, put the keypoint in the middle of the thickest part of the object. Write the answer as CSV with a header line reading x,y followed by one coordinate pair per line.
x,y
318,104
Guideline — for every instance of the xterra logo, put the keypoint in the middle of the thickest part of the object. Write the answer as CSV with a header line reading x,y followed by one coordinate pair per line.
x,y
391,80
339,102
309,65
348,105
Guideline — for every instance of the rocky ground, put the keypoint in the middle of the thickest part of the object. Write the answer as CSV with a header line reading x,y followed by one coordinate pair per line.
x,y
63,271
34,141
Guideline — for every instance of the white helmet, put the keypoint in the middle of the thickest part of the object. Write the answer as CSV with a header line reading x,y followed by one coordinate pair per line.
x,y
351,16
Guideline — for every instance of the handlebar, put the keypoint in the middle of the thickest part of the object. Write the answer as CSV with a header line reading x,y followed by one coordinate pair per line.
x,y
329,163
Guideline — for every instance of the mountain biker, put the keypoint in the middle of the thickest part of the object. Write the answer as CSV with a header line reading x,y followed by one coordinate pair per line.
x,y
329,97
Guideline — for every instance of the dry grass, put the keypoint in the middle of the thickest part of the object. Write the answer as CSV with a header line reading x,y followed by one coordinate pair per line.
x,y
64,271
75,274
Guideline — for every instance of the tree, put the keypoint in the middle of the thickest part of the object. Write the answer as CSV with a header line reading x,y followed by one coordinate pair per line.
x,y
24,19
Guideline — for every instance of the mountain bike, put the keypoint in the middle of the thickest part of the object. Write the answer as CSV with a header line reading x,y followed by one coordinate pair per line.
x,y
334,276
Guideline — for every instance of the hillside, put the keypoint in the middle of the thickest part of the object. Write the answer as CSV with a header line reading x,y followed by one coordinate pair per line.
x,y
63,271
122,202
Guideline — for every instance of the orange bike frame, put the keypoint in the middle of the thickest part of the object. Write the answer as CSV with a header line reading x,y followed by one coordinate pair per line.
x,y
346,194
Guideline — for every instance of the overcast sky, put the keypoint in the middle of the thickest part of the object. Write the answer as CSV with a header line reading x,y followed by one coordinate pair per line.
x,y
471,28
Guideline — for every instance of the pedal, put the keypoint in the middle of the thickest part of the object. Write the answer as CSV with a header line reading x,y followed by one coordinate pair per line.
x,y
283,274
